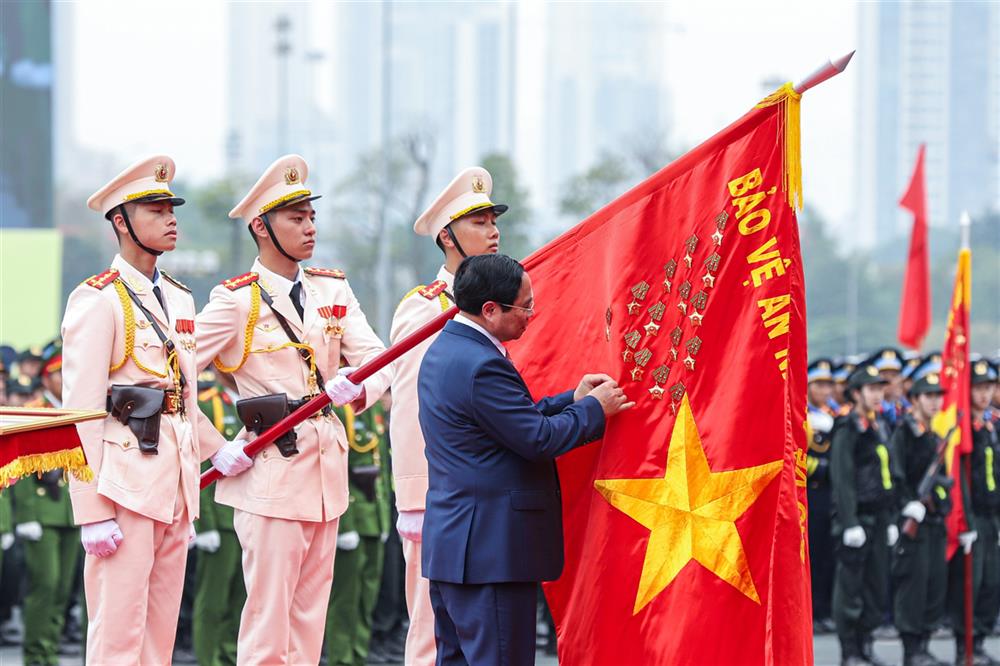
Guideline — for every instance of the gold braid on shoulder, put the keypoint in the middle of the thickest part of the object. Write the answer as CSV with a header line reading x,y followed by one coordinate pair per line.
x,y
248,331
129,315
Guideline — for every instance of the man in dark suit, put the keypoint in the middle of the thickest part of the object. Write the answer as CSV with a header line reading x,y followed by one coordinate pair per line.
x,y
493,526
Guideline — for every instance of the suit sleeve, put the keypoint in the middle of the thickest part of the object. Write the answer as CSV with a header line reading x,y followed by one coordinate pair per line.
x,y
217,327
507,414
898,450
88,332
360,345
842,478
552,405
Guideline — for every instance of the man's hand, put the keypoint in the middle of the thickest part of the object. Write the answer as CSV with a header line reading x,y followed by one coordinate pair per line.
x,y
342,390
31,531
208,541
855,537
589,383
230,459
6,540
101,539
891,535
410,525
915,510
348,540
966,539
611,397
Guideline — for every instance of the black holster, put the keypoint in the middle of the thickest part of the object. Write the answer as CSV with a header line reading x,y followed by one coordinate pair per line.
x,y
260,413
364,478
139,408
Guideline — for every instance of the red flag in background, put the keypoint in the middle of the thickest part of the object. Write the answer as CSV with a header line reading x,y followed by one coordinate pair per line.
x,y
956,380
915,305
685,528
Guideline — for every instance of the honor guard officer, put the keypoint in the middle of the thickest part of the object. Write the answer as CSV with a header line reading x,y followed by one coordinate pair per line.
x,y
281,331
220,592
919,564
128,348
982,517
44,519
863,517
821,545
463,222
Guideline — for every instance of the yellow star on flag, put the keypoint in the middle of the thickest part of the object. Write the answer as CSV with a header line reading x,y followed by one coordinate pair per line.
x,y
690,512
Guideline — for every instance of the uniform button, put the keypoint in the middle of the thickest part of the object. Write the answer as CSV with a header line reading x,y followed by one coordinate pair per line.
x,y
322,450
264,455
126,444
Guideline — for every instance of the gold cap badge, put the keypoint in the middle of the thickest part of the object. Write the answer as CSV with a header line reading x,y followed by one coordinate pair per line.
x,y
160,172
291,176
478,184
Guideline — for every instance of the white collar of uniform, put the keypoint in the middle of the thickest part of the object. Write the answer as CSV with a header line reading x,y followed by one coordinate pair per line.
x,y
134,277
462,319
444,275
279,283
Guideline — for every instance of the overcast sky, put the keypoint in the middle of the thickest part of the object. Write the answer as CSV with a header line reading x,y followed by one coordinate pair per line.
x,y
169,60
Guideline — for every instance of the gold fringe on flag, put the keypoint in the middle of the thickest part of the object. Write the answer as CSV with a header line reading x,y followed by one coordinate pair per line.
x,y
791,137
37,463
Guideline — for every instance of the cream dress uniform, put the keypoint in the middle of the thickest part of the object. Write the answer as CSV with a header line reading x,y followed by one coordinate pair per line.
x,y
287,509
469,192
134,595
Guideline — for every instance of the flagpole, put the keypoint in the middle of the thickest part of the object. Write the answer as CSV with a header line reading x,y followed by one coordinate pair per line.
x,y
965,227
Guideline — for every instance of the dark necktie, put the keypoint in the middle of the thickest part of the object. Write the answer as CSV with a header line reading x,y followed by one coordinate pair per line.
x,y
294,294
159,297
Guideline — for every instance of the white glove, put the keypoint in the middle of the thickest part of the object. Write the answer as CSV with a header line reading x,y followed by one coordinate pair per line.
x,y
915,510
6,540
966,539
410,524
230,459
29,531
341,390
891,535
820,422
208,541
854,537
348,540
101,539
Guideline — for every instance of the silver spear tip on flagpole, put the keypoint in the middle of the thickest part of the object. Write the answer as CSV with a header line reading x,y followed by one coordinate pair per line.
x,y
829,70
965,225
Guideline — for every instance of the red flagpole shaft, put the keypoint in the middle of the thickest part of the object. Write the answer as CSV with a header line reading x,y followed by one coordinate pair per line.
x,y
322,400
968,579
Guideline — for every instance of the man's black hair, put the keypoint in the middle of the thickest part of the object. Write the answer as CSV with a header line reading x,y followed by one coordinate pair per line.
x,y
487,277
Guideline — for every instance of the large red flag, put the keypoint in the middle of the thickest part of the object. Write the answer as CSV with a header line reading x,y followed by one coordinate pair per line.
x,y
915,305
956,381
686,527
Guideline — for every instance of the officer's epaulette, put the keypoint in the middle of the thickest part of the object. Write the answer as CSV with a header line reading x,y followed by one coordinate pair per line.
x,y
232,284
433,290
327,272
102,280
174,281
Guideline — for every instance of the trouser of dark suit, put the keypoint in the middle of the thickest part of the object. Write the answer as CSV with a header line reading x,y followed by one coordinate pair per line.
x,y
489,624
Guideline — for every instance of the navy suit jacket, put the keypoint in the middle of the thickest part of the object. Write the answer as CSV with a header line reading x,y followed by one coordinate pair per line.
x,y
493,511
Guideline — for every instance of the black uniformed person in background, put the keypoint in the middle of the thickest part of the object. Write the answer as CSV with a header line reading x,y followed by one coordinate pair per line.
x,y
919,564
820,416
863,516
